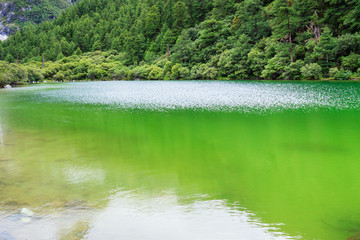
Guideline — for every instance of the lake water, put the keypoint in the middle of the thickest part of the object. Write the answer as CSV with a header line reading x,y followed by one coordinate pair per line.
x,y
180,160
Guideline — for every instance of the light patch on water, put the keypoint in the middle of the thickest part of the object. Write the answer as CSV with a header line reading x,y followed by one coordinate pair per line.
x,y
204,95
129,215
162,217
83,175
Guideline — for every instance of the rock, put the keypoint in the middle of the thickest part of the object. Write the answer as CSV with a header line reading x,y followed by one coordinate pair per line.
x,y
25,219
26,212
7,86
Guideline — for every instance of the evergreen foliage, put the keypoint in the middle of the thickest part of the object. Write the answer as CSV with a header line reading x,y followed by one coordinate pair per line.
x,y
194,39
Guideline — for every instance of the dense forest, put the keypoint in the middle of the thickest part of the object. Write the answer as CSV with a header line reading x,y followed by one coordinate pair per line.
x,y
189,39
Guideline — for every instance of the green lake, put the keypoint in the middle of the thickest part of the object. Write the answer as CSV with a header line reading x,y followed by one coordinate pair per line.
x,y
180,160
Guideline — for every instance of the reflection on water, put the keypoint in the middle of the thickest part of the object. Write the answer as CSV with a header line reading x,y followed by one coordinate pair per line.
x,y
78,190
164,217
90,163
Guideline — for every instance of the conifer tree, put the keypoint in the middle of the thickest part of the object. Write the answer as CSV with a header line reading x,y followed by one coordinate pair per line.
x,y
180,16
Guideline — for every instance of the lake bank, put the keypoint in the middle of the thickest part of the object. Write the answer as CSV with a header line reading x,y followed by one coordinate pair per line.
x,y
108,66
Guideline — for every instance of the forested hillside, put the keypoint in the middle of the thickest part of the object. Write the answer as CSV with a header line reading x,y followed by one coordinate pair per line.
x,y
194,39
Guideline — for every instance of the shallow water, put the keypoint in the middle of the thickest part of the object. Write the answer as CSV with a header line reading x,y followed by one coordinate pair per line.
x,y
180,160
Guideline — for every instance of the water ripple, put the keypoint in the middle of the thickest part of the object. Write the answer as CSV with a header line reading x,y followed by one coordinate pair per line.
x,y
204,95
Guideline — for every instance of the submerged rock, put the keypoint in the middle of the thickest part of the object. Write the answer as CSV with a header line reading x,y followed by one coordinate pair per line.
x,y
26,212
25,219
76,205
25,215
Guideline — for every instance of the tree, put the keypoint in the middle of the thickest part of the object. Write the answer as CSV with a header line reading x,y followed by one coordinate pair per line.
x,y
116,44
78,52
96,46
284,22
212,39
233,62
167,12
223,8
180,17
168,40
352,18
250,20
9,58
325,48
152,24
59,56
183,50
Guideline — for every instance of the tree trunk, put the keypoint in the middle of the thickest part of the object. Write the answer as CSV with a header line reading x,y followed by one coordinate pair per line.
x,y
168,52
43,62
317,32
290,37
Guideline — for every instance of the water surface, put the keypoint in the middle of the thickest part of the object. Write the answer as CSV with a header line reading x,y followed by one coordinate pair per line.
x,y
180,160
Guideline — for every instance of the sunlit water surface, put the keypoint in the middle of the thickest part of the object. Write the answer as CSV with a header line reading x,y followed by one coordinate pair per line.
x,y
180,160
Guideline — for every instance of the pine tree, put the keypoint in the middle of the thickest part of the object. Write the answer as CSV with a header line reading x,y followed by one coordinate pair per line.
x,y
180,16
152,25
250,20
325,48
9,58
284,22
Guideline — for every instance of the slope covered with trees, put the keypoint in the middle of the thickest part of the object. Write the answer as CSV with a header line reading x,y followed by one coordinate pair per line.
x,y
194,39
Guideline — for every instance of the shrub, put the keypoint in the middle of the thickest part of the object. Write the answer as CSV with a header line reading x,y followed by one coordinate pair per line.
x,y
34,74
97,73
293,71
120,73
311,71
130,74
155,73
351,62
59,76
175,71
179,72
275,67
333,72
205,71
343,75
13,74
